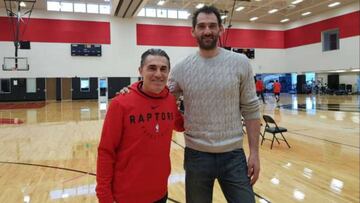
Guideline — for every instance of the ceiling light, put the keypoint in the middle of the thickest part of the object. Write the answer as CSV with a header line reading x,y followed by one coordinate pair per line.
x,y
284,20
337,71
240,8
161,2
200,5
355,70
306,13
297,1
22,4
273,11
334,4
253,18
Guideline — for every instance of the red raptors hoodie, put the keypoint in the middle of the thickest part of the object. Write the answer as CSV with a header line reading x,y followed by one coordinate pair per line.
x,y
133,155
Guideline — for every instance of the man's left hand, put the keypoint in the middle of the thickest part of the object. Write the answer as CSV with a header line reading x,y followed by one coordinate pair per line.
x,y
253,168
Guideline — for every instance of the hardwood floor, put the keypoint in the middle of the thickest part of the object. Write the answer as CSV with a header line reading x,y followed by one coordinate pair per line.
x,y
51,157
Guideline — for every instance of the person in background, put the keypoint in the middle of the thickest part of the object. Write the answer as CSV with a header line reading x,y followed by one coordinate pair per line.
x,y
260,89
277,90
133,162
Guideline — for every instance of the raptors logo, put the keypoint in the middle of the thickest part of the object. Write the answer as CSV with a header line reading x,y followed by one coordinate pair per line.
x,y
157,116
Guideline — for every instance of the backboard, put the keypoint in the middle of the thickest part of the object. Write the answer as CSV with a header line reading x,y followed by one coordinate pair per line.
x,y
15,64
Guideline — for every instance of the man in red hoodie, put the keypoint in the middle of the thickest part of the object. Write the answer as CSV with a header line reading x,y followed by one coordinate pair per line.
x,y
133,163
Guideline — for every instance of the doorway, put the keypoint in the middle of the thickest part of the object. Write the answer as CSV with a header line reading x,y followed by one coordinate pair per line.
x,y
50,86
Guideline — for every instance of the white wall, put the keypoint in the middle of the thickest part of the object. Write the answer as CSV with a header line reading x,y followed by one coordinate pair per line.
x,y
121,58
312,58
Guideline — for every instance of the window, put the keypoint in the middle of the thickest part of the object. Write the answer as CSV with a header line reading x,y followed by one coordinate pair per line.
x,y
161,13
104,9
84,85
92,8
330,40
31,85
150,12
66,7
184,15
80,7
172,13
5,86
53,6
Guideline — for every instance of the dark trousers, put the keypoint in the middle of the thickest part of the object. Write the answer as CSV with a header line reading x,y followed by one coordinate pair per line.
x,y
277,96
261,93
229,168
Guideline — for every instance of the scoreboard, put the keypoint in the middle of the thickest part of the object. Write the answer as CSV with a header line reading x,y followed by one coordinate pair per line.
x,y
85,49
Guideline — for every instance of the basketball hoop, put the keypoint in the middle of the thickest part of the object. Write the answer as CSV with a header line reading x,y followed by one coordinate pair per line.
x,y
15,64
18,16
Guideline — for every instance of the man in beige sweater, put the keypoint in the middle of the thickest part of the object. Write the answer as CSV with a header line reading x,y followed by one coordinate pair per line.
x,y
218,88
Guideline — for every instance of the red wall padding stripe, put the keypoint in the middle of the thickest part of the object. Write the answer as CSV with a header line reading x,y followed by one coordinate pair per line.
x,y
348,25
75,31
63,31
247,38
161,35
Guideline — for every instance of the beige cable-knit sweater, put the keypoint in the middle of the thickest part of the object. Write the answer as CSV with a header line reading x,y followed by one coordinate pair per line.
x,y
217,92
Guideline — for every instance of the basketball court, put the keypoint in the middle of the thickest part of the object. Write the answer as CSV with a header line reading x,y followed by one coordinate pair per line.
x,y
60,71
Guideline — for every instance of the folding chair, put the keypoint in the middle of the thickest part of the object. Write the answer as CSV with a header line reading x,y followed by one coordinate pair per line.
x,y
273,130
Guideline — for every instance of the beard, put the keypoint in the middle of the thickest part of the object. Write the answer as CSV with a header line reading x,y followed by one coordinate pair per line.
x,y
208,42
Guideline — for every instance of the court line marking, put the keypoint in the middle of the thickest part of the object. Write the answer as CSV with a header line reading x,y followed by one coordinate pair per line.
x,y
334,142
61,168
48,166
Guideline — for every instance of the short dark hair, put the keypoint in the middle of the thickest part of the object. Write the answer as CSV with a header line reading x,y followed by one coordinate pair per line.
x,y
207,10
154,52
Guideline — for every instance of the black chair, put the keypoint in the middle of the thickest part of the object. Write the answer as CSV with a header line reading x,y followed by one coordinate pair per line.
x,y
273,128
349,88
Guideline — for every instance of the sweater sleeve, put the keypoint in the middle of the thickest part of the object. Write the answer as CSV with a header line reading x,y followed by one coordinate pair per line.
x,y
249,102
110,140
173,82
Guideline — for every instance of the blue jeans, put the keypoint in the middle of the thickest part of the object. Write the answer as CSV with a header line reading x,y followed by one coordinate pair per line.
x,y
229,168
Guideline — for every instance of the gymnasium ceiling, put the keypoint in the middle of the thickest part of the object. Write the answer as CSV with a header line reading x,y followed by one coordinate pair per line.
x,y
252,8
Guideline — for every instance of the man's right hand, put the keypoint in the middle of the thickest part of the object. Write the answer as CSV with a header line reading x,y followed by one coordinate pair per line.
x,y
124,90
